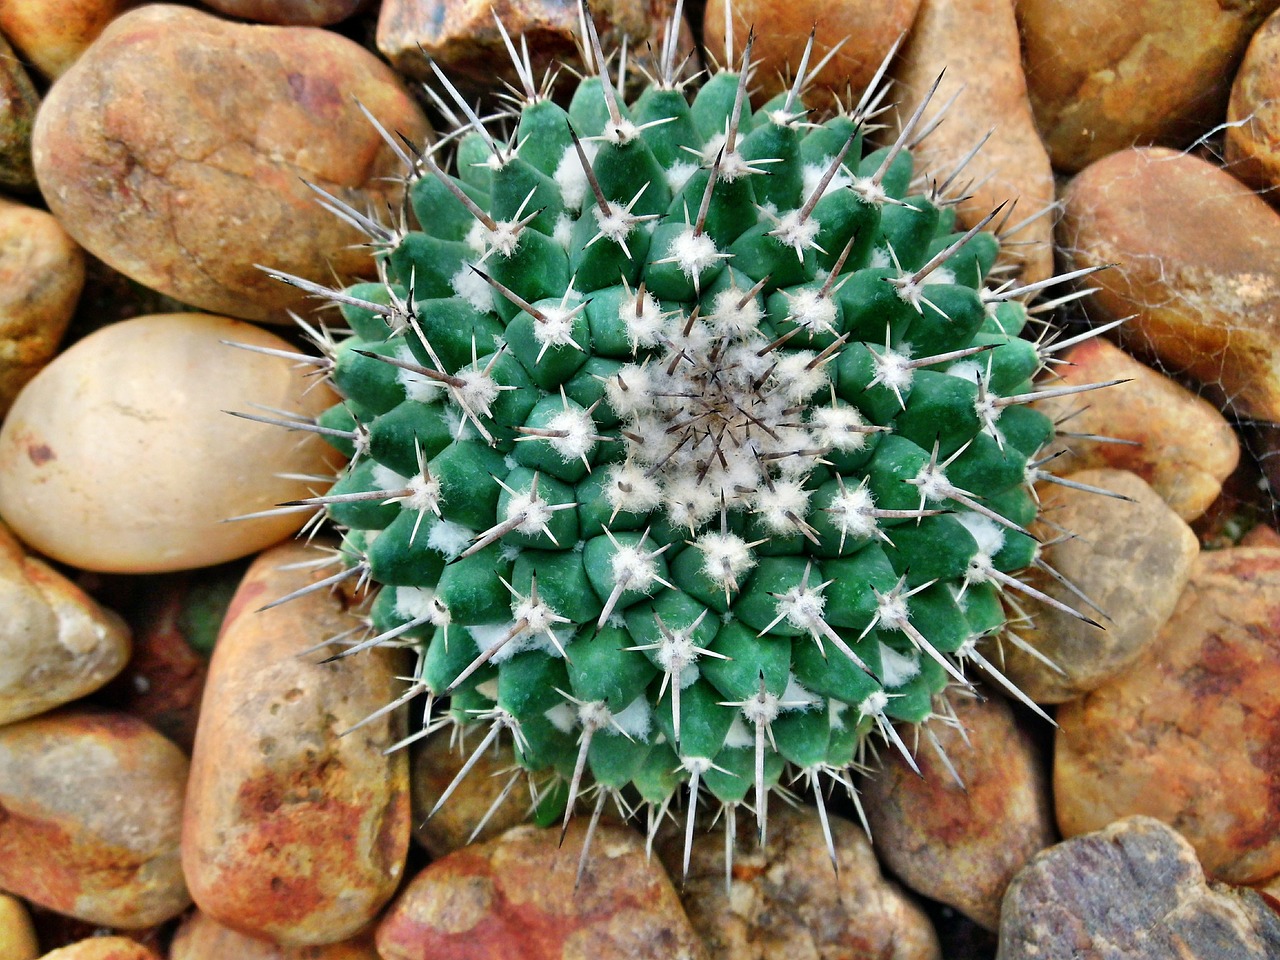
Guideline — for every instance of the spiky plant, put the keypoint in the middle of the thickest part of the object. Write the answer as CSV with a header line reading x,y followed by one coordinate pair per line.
x,y
688,446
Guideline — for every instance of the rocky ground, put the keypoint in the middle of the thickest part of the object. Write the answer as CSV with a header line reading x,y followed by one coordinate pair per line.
x,y
152,155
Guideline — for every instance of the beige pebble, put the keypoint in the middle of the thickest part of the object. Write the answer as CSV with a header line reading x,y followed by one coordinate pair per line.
x,y
102,948
1253,114
202,938
17,935
18,104
52,35
93,804
292,831
119,455
186,192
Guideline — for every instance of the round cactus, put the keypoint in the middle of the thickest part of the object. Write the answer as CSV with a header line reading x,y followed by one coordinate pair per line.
x,y
688,446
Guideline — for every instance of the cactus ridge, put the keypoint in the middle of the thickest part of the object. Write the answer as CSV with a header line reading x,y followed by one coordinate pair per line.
x,y
689,447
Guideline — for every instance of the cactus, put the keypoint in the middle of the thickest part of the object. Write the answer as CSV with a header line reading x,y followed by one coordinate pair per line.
x,y
689,448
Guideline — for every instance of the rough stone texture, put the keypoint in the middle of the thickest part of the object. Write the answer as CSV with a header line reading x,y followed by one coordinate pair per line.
x,y
202,938
41,276
869,28
1191,732
1133,891
431,770
58,644
103,948
963,844
1105,74
786,901
1130,558
177,150
17,935
1253,113
515,896
1013,164
1178,442
120,456
291,13
1197,258
293,832
18,104
93,806
52,35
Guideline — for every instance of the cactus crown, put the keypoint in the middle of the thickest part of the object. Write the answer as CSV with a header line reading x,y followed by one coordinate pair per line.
x,y
687,445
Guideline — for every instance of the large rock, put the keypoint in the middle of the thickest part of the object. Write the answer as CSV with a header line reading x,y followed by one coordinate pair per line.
x,y
177,148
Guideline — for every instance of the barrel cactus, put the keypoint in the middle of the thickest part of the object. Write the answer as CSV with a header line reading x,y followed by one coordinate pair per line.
x,y
690,448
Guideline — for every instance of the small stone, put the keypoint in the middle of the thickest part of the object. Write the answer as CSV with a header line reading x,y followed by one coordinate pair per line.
x,y
52,36
41,276
292,831
1261,536
866,28
202,938
1197,267
120,456
1132,559
1190,733
963,844
1132,891
433,767
186,191
1175,441
290,13
59,645
93,805
516,897
17,935
1253,115
786,901
984,67
1105,75
103,948
18,104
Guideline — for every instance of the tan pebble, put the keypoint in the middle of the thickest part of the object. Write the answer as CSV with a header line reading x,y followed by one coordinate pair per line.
x,y
868,28
52,36
94,804
1197,266
1105,75
1012,165
293,13
59,644
292,831
41,276
1176,441
120,456
1130,557
18,104
202,938
516,896
17,935
1253,114
962,842
102,948
185,191
1190,733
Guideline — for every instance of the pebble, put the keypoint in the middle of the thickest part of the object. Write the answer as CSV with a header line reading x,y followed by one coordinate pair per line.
x,y
1130,558
59,644
41,275
1105,75
289,13
515,896
18,104
103,948
185,191
120,456
433,767
94,807
867,28
984,67
1190,733
293,832
202,938
1176,441
1197,265
1131,891
961,843
17,935
52,36
787,902
1252,138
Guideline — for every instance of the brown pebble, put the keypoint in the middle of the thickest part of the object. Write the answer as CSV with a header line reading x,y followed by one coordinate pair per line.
x,y
1253,115
52,36
94,807
1190,733
961,843
18,104
202,938
1196,264
292,831
290,13
102,948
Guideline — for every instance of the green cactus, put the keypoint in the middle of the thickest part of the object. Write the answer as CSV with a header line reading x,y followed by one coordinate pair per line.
x,y
688,446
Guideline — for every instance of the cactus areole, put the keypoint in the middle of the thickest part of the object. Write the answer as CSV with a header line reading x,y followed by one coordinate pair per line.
x,y
689,447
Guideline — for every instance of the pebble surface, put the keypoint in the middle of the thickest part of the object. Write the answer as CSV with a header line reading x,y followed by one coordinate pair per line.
x,y
1253,116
